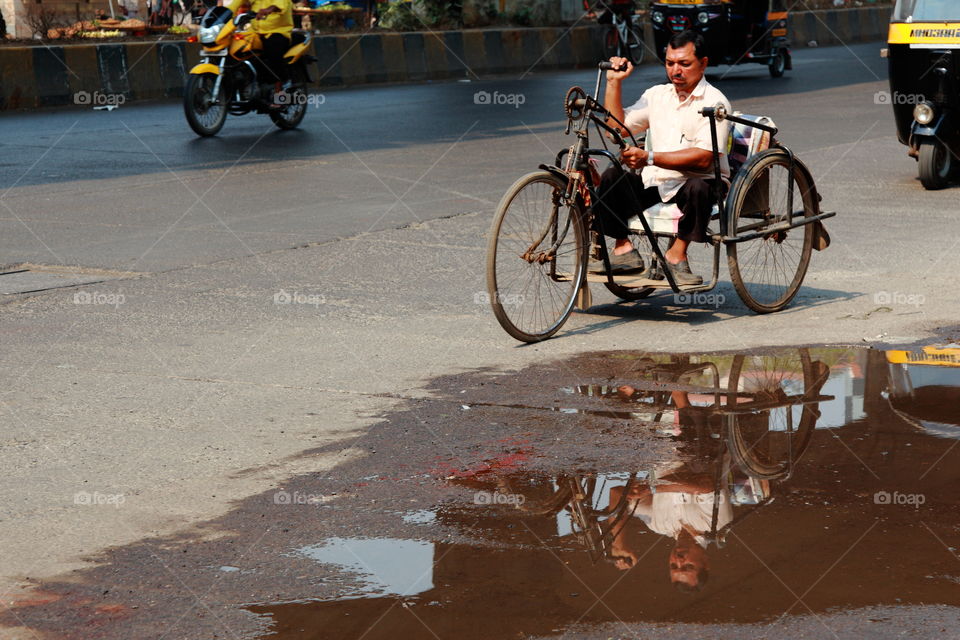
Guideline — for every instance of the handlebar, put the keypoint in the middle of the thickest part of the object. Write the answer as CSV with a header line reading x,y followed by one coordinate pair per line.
x,y
719,113
606,65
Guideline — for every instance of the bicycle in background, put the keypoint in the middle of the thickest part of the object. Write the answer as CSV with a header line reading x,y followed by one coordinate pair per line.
x,y
624,37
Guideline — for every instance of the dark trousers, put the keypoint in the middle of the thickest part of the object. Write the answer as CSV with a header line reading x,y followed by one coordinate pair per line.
x,y
275,67
622,196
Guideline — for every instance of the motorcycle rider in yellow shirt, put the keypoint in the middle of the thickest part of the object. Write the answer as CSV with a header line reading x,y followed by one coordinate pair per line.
x,y
274,23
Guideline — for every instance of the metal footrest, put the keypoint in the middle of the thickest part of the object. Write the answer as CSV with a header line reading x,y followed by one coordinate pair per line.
x,y
639,282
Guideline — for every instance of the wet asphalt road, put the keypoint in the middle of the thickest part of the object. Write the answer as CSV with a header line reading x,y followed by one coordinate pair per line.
x,y
193,458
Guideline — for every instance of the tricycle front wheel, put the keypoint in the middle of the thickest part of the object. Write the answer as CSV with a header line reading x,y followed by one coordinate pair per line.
x,y
536,257
767,271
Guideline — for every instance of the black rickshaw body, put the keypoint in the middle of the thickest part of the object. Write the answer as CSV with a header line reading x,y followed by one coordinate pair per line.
x,y
735,31
924,68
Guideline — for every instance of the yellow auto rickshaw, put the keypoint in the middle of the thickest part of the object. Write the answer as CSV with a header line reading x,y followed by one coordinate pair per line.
x,y
924,61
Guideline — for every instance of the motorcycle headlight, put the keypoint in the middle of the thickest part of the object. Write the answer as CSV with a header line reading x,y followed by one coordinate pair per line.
x,y
208,35
924,113
703,17
657,17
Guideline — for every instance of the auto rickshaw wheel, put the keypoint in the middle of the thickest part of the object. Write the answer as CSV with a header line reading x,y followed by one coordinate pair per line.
x,y
936,164
778,64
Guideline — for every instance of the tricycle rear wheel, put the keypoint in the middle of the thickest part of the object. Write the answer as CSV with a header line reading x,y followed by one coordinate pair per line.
x,y
767,272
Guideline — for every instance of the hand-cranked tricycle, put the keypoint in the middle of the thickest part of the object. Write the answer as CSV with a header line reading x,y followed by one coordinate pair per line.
x,y
542,238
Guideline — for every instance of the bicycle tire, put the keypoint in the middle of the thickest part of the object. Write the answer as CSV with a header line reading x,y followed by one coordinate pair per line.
x,y
750,451
611,43
754,263
635,48
542,506
518,231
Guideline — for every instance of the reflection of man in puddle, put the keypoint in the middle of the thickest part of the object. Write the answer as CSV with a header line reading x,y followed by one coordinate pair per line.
x,y
680,505
679,502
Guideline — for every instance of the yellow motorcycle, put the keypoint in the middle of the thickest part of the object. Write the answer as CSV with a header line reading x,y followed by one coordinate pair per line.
x,y
229,77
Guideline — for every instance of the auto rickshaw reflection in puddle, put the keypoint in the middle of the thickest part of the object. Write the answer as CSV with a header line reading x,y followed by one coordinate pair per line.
x,y
797,479
925,85
924,388
735,31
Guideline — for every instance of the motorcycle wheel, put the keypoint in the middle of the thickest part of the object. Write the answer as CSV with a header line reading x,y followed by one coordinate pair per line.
x,y
205,113
292,114
936,164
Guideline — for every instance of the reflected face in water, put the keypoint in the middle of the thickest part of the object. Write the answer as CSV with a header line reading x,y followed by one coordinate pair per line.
x,y
689,565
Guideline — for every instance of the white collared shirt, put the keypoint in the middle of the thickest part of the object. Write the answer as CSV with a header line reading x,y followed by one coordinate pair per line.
x,y
674,126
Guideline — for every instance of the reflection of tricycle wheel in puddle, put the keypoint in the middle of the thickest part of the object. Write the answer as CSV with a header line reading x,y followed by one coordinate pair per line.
x,y
541,238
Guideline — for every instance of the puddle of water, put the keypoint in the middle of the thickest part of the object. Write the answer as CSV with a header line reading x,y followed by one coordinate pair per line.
x,y
802,481
422,516
384,566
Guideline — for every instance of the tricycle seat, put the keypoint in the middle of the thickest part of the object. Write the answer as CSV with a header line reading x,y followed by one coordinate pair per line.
x,y
743,142
663,218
